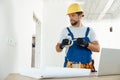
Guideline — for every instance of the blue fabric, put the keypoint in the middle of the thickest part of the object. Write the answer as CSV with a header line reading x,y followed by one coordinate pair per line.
x,y
77,53
65,63
70,33
87,32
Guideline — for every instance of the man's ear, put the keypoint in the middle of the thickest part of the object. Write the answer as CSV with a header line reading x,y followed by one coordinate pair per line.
x,y
82,15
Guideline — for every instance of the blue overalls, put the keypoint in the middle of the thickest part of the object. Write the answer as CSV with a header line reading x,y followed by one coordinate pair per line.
x,y
77,53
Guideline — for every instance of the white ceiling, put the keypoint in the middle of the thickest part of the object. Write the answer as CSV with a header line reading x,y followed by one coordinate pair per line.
x,y
100,9
96,9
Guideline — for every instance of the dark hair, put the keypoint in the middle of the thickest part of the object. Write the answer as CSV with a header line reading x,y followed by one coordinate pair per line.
x,y
79,13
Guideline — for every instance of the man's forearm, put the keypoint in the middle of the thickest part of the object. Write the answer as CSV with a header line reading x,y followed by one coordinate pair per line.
x,y
58,49
94,46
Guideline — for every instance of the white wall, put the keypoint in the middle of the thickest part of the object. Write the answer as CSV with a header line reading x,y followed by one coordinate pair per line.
x,y
16,29
23,23
55,19
116,29
25,28
8,47
38,9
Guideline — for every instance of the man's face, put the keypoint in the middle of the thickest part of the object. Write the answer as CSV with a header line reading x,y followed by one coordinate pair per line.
x,y
74,18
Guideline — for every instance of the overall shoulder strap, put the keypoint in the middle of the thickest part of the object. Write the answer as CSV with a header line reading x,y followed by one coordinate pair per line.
x,y
70,33
87,31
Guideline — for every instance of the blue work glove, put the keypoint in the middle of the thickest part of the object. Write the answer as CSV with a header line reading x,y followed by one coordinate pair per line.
x,y
82,42
64,43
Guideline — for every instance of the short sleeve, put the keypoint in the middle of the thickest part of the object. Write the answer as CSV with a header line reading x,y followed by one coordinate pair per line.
x,y
92,35
63,35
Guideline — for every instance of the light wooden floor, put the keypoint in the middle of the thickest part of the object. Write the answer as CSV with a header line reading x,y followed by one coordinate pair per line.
x,y
20,77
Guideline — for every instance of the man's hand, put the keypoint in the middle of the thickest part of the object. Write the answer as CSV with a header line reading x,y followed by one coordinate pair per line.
x,y
82,42
64,43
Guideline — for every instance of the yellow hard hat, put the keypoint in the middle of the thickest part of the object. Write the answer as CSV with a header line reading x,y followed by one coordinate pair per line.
x,y
74,8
